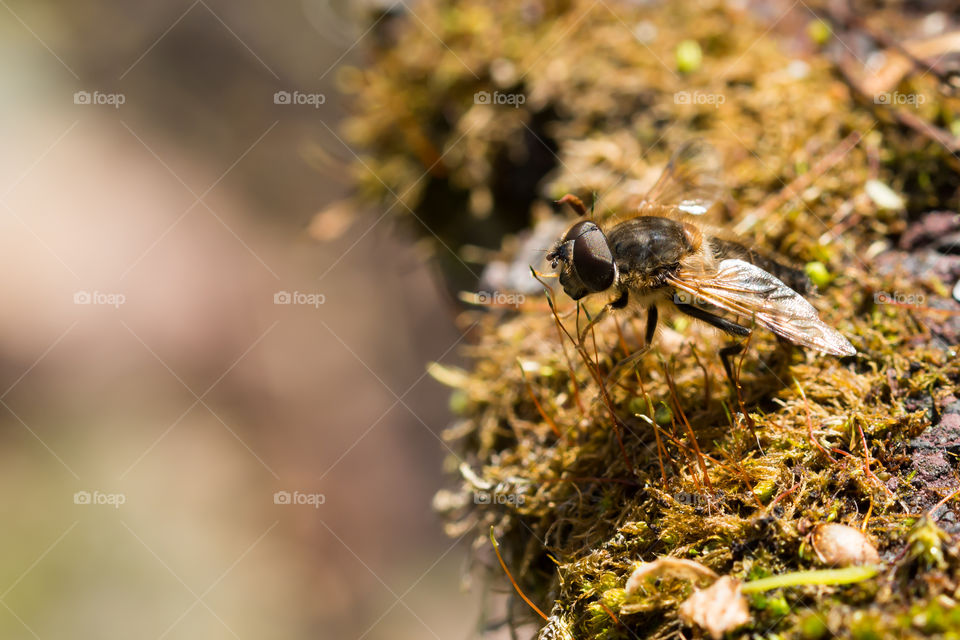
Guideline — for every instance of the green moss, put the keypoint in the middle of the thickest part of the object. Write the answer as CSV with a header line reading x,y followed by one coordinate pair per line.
x,y
818,273
459,402
863,627
926,544
689,56
813,627
819,31
663,415
669,461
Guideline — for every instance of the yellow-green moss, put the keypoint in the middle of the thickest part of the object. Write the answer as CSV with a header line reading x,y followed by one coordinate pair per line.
x,y
624,482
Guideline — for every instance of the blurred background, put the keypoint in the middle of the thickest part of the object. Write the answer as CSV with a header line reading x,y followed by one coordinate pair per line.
x,y
211,425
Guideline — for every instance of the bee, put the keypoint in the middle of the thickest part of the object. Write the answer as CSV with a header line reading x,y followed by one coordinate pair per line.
x,y
663,255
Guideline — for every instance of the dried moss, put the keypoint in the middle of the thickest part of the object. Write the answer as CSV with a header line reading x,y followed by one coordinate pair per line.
x,y
669,461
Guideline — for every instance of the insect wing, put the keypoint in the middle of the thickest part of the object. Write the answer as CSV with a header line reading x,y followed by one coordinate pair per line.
x,y
691,180
747,290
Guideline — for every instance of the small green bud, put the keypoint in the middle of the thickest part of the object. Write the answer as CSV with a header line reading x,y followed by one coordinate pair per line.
x,y
818,273
689,56
819,31
663,416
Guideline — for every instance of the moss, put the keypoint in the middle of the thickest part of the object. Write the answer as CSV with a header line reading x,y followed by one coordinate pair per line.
x,y
669,461
689,56
813,627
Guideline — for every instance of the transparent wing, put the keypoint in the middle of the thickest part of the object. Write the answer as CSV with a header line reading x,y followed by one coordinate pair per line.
x,y
747,290
691,180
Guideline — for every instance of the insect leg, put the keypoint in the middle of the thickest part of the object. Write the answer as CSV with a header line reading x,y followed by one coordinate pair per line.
x,y
726,353
725,325
597,318
652,316
619,303
720,323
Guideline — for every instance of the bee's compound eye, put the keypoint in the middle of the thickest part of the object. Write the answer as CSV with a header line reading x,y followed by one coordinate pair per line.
x,y
592,258
577,230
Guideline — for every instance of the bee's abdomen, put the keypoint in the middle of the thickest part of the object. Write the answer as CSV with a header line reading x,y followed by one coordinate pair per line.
x,y
648,244
793,278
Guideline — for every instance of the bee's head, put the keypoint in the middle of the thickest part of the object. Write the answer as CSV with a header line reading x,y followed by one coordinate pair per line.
x,y
584,259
